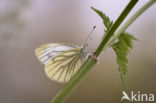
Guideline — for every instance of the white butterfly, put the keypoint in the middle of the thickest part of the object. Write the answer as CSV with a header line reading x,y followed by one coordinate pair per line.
x,y
62,61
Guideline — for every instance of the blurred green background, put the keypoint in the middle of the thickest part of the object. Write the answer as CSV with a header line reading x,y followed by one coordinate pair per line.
x,y
26,24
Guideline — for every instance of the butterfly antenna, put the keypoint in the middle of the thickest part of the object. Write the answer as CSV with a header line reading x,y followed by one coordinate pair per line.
x,y
89,36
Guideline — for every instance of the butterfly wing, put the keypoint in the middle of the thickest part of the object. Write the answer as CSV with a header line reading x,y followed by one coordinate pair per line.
x,y
48,51
61,61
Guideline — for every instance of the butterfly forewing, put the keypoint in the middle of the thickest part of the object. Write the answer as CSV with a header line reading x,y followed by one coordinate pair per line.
x,y
48,51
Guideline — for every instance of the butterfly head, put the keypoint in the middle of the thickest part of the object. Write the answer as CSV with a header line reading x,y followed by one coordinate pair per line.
x,y
84,52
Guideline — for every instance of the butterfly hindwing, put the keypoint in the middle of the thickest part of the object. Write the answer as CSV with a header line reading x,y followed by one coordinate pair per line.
x,y
62,67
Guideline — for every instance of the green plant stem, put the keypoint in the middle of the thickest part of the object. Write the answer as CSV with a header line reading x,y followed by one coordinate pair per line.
x,y
91,61
74,81
129,22
115,26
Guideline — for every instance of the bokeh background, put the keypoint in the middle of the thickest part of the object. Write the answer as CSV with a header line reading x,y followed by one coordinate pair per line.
x,y
26,24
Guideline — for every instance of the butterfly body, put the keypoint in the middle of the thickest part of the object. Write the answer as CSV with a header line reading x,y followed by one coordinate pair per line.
x,y
61,61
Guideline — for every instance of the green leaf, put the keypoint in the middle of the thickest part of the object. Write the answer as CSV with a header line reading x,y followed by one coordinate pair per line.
x,y
121,48
106,21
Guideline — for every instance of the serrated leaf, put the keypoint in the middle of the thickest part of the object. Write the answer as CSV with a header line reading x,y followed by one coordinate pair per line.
x,y
121,48
106,21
